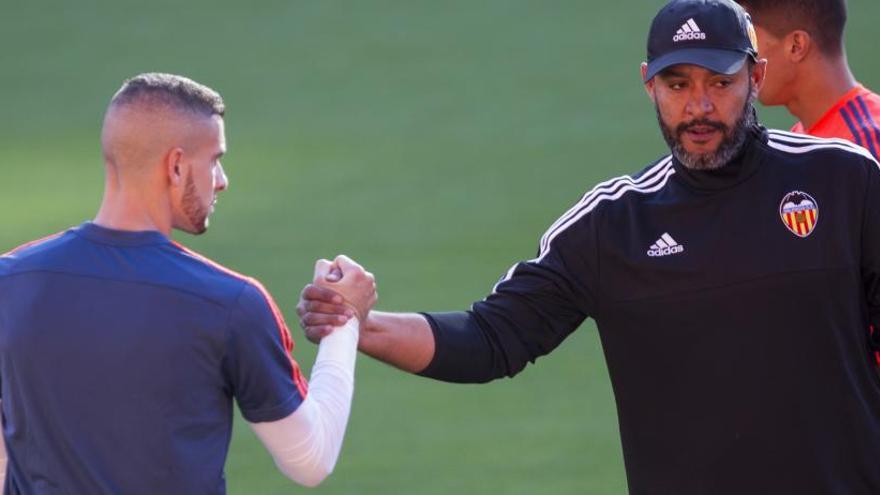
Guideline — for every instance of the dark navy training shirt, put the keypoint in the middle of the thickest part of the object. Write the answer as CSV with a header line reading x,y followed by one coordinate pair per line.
x,y
120,353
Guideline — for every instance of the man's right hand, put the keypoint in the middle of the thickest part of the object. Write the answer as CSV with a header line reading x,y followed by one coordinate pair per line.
x,y
341,290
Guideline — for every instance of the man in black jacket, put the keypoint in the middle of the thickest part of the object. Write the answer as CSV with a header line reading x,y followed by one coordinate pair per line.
x,y
732,284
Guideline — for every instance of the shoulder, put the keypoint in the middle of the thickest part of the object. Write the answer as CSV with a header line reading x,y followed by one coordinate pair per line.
x,y
33,251
210,278
801,148
649,180
871,101
223,283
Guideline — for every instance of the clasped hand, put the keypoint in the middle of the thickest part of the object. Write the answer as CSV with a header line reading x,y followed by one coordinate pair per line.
x,y
341,290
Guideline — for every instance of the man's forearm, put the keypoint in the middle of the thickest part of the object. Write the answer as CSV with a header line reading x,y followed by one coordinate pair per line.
x,y
403,340
450,347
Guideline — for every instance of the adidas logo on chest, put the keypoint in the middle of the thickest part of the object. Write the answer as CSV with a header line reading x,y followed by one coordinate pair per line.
x,y
689,31
665,246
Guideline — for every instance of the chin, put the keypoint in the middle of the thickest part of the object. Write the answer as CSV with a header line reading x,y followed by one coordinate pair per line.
x,y
194,228
200,229
702,149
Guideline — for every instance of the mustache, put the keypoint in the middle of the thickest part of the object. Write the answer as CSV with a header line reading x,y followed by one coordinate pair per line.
x,y
686,126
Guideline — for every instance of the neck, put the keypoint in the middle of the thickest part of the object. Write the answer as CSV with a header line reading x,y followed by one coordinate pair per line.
x,y
826,82
130,209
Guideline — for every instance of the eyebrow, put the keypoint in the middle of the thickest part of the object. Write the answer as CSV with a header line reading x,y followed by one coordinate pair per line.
x,y
670,72
667,73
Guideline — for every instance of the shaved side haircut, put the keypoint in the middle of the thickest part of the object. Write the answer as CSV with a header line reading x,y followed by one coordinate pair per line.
x,y
171,91
823,19
151,113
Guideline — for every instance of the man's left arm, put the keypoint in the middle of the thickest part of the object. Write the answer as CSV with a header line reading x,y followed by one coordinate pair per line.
x,y
301,426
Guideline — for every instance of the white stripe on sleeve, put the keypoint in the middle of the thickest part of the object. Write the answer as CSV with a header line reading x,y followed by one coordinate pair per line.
x,y
608,186
654,179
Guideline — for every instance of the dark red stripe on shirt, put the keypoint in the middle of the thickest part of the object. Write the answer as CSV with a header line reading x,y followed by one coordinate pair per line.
x,y
872,124
286,340
852,127
33,243
863,125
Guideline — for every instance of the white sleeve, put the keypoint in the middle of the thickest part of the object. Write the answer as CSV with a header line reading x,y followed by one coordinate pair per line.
x,y
305,445
2,457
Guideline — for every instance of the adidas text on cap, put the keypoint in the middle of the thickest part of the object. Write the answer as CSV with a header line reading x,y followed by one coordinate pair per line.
x,y
715,34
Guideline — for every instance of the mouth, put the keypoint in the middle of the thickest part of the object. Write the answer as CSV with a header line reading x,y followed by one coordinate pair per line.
x,y
701,134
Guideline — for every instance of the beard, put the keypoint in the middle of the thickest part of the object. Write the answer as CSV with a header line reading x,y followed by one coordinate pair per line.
x,y
196,213
731,143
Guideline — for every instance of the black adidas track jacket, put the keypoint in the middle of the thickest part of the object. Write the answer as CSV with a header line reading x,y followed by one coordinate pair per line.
x,y
733,308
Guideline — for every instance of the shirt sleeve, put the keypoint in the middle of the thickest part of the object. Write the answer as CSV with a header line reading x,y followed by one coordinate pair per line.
x,y
262,375
534,307
306,444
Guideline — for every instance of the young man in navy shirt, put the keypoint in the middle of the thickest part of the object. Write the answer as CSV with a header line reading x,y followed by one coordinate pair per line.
x,y
121,350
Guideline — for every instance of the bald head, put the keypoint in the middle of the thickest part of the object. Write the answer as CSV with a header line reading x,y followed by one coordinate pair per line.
x,y
152,114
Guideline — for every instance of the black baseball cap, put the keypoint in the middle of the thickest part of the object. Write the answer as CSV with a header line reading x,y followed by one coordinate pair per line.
x,y
715,34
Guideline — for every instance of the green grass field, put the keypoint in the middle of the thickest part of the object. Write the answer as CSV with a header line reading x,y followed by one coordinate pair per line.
x,y
432,141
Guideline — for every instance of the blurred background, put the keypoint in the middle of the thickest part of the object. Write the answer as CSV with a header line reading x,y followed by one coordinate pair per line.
x,y
432,141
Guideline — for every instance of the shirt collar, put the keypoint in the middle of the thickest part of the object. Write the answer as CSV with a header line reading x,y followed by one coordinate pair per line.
x,y
97,233
739,169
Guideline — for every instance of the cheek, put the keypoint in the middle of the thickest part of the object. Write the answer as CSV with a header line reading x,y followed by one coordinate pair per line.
x,y
778,76
210,185
774,84
669,106
204,183
730,109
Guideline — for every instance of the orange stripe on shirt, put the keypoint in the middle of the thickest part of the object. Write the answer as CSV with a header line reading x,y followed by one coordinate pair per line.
x,y
33,243
284,332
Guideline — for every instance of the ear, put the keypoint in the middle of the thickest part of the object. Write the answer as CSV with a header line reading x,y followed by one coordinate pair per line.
x,y
649,85
174,166
759,73
798,45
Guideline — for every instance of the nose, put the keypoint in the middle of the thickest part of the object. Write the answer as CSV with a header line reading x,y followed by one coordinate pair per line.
x,y
699,103
221,182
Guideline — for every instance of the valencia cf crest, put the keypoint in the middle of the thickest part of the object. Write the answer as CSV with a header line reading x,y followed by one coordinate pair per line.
x,y
799,212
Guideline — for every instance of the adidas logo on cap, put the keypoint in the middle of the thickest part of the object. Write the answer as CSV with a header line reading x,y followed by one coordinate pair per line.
x,y
665,246
689,31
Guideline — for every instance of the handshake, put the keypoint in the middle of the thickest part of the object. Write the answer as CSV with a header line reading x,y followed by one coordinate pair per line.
x,y
341,290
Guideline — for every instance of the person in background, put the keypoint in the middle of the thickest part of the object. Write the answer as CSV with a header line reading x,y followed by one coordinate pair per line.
x,y
808,72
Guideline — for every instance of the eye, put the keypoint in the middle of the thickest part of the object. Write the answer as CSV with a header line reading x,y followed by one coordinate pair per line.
x,y
676,85
723,83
